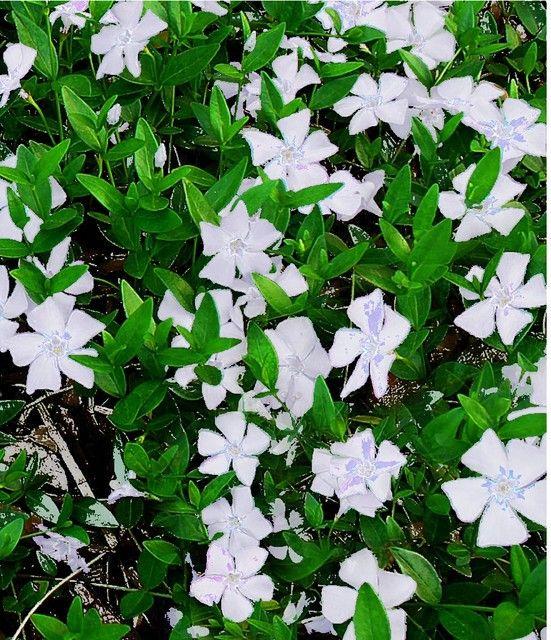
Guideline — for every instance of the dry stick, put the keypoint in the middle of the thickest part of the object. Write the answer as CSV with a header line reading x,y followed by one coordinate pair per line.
x,y
51,592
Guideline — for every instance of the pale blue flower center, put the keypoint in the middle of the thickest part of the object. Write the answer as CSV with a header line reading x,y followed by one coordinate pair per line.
x,y
486,209
125,37
295,365
236,247
505,487
503,296
56,345
506,133
291,156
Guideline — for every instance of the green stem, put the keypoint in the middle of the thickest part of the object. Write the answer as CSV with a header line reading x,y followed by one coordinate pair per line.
x,y
30,100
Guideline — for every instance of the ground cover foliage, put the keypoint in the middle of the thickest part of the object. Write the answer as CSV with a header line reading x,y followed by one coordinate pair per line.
x,y
272,304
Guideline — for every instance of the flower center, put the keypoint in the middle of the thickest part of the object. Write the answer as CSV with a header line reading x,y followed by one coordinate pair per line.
x,y
236,247
486,209
506,133
125,37
234,522
292,156
295,365
416,40
234,578
503,296
370,346
373,101
234,450
504,488
57,345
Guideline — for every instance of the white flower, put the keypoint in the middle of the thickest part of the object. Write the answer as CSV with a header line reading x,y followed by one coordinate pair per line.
x,y
241,523
238,243
114,114
212,6
281,523
248,97
289,443
462,95
504,301
288,278
237,447
256,401
123,37
295,159
62,549
18,59
421,106
120,486
381,331
509,482
160,156
71,13
371,102
358,472
56,262
339,603
489,214
513,128
301,360
532,384
289,79
173,616
8,229
60,331
11,306
353,13
233,581
419,25
293,612
296,43
319,624
196,631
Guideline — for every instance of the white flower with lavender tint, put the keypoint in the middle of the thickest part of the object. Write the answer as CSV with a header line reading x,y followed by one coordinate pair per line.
x,y
289,443
238,243
338,603
72,13
8,229
530,384
463,95
353,13
248,95
301,360
319,624
56,262
512,128
197,631
372,102
297,43
160,156
237,446
233,581
509,482
18,59
505,300
381,331
419,25
257,401
60,331
281,522
62,549
421,106
358,472
114,114
125,35
289,79
211,6
241,523
11,307
295,159
293,612
492,213
120,486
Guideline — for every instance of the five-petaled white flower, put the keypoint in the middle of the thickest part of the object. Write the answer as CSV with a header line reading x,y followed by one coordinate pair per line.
x,y
421,106
419,25
238,243
241,523
372,102
71,13
509,483
60,331
301,360
338,603
233,581
62,549
505,299
56,262
532,384
295,159
381,331
289,79
491,213
512,128
18,59
125,35
357,472
11,306
237,447
353,13
463,95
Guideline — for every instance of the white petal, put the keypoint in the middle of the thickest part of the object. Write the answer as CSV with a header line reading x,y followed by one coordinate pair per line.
x,y
510,322
256,441
347,346
78,372
500,527
467,496
210,443
487,456
359,568
232,425
478,320
532,294
511,268
263,146
395,588
249,561
294,128
236,607
245,469
525,459
532,505
357,378
215,465
207,590
338,603
43,374
257,588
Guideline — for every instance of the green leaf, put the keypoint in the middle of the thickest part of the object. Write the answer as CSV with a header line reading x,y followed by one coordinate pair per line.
x,y
136,458
216,488
33,36
265,49
331,92
199,207
532,594
413,564
418,67
225,189
483,178
179,288
144,156
370,616
49,162
424,216
415,306
510,623
164,551
206,324
464,624
311,195
9,536
83,120
143,399
313,510
131,334
424,140
261,356
48,627
136,603
398,195
124,149
346,260
13,249
9,409
94,513
103,192
187,65
395,240
67,277
520,567
220,117
476,412
274,295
